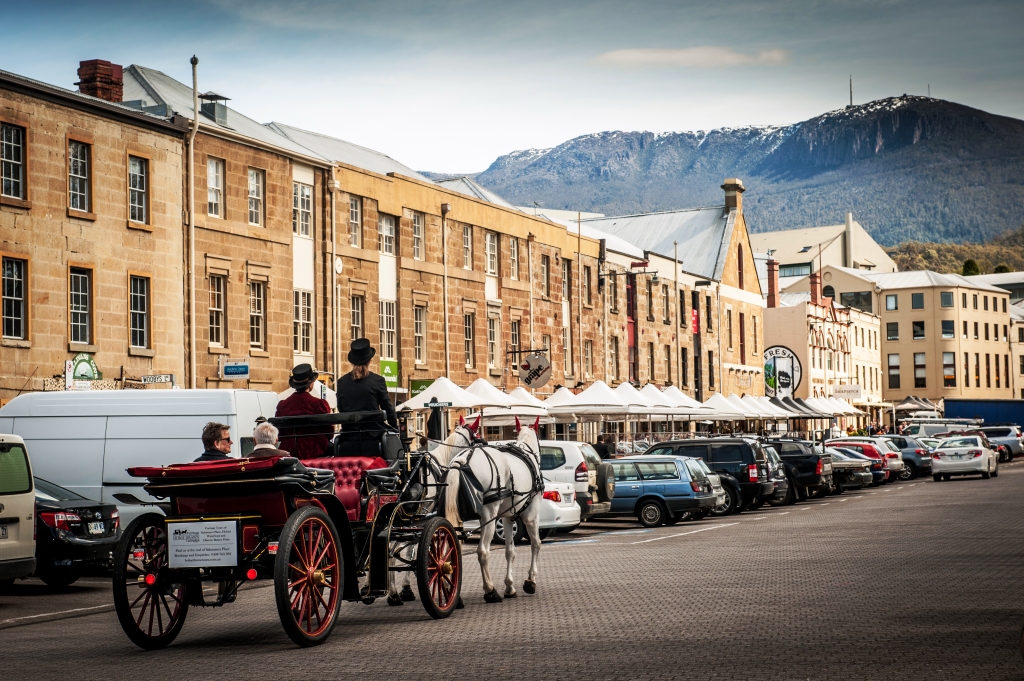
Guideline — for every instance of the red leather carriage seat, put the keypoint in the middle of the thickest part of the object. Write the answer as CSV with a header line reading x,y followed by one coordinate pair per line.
x,y
349,472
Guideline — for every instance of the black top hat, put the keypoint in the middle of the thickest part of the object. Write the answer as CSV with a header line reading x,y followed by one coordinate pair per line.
x,y
302,377
361,352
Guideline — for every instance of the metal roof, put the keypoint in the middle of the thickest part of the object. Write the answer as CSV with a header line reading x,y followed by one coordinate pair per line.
x,y
1003,278
703,235
793,299
153,87
920,279
341,151
788,246
612,242
470,187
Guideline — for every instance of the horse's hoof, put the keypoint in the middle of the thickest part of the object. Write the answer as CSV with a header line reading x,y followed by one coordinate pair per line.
x,y
530,587
368,600
407,594
395,599
459,605
511,594
492,596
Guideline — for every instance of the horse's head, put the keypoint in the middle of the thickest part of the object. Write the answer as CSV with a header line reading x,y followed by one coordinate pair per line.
x,y
472,430
528,435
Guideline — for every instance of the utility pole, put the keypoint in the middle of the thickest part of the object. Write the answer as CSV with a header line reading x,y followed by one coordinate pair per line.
x,y
851,89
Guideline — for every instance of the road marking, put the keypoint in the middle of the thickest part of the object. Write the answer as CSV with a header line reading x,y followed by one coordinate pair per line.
x,y
51,614
761,518
783,513
824,504
805,508
671,536
844,500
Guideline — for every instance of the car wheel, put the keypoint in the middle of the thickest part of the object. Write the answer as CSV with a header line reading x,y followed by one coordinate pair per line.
x,y
58,579
544,534
908,472
651,513
726,507
937,478
995,470
6,584
946,477
518,532
838,489
985,475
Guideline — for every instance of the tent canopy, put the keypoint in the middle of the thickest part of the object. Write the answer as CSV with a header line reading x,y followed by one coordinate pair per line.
x,y
483,388
443,390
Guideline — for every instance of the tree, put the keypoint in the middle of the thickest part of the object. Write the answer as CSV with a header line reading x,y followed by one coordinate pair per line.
x,y
970,268
1000,269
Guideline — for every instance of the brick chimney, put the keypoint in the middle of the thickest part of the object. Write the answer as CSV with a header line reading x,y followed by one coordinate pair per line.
x,y
734,193
99,78
816,288
773,282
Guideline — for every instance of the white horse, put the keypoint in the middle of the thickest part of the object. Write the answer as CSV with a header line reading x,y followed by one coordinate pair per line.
x,y
512,482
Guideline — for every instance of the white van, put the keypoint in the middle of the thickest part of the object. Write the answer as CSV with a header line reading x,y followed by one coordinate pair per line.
x,y
85,440
17,511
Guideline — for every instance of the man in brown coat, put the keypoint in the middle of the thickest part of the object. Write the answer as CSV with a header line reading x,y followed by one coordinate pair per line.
x,y
265,437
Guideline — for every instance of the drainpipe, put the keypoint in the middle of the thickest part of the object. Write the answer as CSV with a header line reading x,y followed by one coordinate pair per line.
x,y
721,376
529,257
579,297
675,279
445,208
192,226
332,187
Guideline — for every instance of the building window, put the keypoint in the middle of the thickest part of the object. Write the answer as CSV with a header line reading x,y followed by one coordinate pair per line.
x,y
567,349
891,302
386,234
860,300
138,308
419,332
387,329
668,363
683,366
614,358
14,299
218,312
917,301
513,254
515,337
892,331
566,280
828,292
588,358
78,176
417,236
977,370
491,248
985,299
948,328
728,328
711,369
80,305
997,356
739,264
587,293
467,328
986,331
946,299
1004,333
138,188
682,308
650,362
492,342
12,161
665,304
467,247
707,310
355,221
257,190
214,187
918,330
920,371
357,304
965,329
257,314
967,369
975,301
1021,365
545,275
753,337
1020,334
302,321
302,209
963,298
1004,305
988,370
795,270
975,330
894,372
613,293
650,301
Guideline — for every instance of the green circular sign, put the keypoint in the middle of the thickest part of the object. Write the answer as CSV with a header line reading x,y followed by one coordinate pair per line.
x,y
83,368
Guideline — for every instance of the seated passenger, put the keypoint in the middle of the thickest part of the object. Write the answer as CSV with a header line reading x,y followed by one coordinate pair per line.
x,y
308,442
217,441
265,437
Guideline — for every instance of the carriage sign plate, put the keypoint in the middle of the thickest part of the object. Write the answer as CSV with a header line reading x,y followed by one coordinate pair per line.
x,y
203,544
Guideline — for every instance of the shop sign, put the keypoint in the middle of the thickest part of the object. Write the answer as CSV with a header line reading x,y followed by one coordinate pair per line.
x,y
235,370
157,378
535,371
850,391
83,368
389,370
418,385
782,371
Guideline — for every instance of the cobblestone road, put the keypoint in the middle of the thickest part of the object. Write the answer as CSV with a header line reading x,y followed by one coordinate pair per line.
x,y
914,581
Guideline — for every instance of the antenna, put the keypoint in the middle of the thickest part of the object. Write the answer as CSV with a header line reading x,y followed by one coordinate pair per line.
x,y
929,90
851,89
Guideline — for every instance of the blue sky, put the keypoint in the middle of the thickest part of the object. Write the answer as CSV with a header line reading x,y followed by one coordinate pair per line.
x,y
451,84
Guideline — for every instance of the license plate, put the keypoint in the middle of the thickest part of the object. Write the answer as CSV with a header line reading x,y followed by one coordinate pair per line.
x,y
96,528
3,532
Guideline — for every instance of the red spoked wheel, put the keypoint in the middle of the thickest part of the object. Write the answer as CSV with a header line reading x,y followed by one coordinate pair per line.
x,y
149,598
439,568
308,576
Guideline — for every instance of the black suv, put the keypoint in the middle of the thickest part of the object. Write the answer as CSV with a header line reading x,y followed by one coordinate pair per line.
x,y
741,464
808,467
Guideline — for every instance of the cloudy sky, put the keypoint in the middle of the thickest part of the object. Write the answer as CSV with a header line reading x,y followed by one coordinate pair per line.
x,y
448,85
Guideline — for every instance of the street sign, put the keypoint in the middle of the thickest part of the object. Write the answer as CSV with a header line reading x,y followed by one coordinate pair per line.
x,y
435,405
535,371
158,378
235,370
389,370
850,391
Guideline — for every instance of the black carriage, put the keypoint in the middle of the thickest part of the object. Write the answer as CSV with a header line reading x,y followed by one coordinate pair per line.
x,y
366,509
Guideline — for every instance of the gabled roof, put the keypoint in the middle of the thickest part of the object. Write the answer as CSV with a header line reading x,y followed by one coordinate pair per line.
x,y
611,242
334,149
794,299
154,88
786,246
1001,279
919,279
470,187
703,234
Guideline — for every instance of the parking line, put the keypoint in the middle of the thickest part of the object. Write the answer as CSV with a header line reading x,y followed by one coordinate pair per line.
x,y
761,518
844,500
703,529
51,614
783,513
823,504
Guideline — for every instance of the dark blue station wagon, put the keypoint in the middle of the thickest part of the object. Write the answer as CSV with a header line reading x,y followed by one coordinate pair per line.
x,y
660,490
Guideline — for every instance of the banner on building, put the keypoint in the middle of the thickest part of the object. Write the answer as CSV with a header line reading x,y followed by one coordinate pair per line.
x,y
850,391
389,370
782,372
418,385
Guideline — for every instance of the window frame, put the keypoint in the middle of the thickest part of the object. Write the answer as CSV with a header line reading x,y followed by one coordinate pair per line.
x,y
952,326
944,296
302,322
419,333
86,144
218,188
916,301
260,211
588,358
75,269
513,255
221,312
893,370
418,235
545,275
388,331
302,217
467,247
920,370
25,319
134,192
894,299
355,227
469,338
491,253
492,342
22,199
357,316
146,314
257,318
387,240
914,327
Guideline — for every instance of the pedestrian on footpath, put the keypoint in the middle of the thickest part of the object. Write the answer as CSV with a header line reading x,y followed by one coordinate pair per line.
x,y
601,448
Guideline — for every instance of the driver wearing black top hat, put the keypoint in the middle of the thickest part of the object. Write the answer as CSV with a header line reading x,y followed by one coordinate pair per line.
x,y
307,442
361,390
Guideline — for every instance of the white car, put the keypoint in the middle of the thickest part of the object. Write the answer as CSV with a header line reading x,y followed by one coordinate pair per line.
x,y
17,511
964,455
713,478
559,512
893,455
579,464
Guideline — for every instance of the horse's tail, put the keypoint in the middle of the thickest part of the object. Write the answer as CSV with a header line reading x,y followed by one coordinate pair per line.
x,y
451,497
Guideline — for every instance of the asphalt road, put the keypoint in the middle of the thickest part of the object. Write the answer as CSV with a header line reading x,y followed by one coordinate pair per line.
x,y
921,580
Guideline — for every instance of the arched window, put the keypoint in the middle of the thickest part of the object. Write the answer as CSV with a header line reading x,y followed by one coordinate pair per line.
x,y
829,292
739,263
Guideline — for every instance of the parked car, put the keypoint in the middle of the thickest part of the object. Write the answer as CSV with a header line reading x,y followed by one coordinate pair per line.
x,y
716,487
964,455
72,533
660,489
893,455
777,473
579,463
848,472
869,450
559,512
1006,435
741,463
932,429
17,508
917,458
876,465
929,442
808,467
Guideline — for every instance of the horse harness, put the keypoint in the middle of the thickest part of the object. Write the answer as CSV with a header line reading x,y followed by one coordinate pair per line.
x,y
528,457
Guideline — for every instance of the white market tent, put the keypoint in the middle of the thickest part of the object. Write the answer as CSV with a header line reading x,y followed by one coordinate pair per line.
x,y
636,403
751,411
523,396
443,390
664,398
766,405
515,405
822,406
846,406
724,409
483,389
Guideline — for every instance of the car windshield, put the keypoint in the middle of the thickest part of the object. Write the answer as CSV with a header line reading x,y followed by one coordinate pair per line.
x,y
51,492
957,442
835,453
14,478
696,472
591,455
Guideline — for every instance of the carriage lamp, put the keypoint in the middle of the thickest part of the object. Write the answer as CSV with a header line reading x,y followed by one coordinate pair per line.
x,y
150,579
272,548
250,574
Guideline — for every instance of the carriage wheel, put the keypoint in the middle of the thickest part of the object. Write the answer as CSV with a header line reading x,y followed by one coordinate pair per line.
x,y
148,596
308,576
439,568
